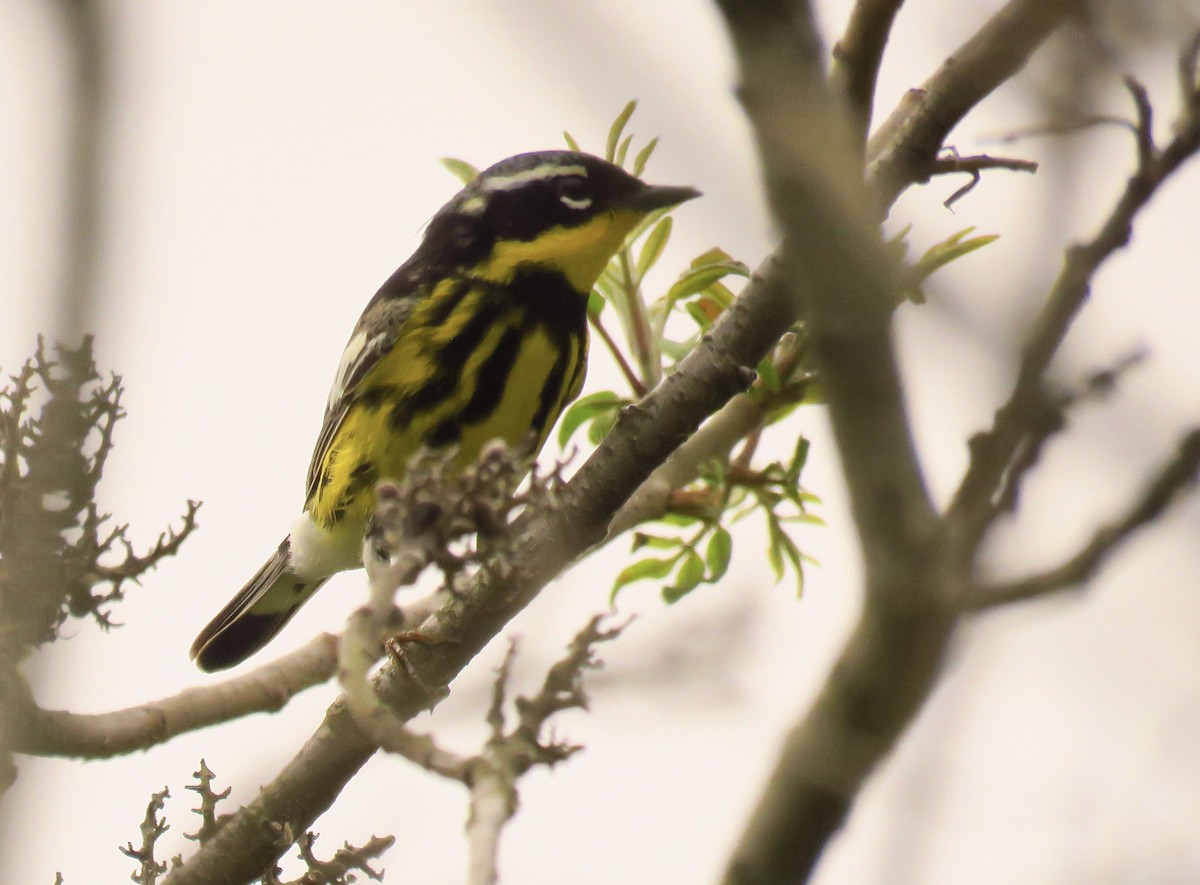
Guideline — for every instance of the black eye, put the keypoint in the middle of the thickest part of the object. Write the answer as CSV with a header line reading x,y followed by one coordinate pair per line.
x,y
573,193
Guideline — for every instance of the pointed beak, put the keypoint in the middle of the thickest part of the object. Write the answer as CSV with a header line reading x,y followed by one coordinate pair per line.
x,y
651,197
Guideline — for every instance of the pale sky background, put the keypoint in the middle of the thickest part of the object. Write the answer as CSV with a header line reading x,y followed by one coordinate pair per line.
x,y
272,162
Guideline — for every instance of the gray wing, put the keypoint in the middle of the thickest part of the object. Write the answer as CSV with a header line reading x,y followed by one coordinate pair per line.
x,y
374,336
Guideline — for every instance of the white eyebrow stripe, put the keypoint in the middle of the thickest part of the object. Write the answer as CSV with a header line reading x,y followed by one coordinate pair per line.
x,y
537,173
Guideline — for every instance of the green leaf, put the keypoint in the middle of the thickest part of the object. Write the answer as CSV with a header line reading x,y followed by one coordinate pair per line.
x,y
585,409
676,350
712,471
952,249
596,303
938,256
639,162
601,425
653,247
689,576
646,223
656,542
769,375
699,314
718,552
618,126
719,293
897,246
642,570
623,150
571,142
774,554
460,169
791,550
609,281
696,280
799,458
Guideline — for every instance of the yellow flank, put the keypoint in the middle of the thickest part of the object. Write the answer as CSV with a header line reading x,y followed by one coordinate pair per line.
x,y
513,418
580,252
367,434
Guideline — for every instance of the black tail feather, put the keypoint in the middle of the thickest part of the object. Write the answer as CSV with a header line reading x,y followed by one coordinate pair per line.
x,y
254,615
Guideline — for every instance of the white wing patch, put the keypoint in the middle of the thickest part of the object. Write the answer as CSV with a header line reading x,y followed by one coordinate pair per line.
x,y
350,356
360,355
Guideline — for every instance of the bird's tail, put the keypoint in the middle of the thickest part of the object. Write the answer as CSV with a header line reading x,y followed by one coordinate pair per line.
x,y
255,615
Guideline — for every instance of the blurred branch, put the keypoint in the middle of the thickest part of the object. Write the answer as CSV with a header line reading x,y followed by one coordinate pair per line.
x,y
905,148
858,55
101,735
832,251
509,754
974,506
1173,477
978,67
1047,417
86,31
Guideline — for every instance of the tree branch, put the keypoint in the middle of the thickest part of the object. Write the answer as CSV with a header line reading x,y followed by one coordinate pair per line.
x,y
832,249
494,773
269,688
86,32
974,166
858,55
1172,478
992,452
905,148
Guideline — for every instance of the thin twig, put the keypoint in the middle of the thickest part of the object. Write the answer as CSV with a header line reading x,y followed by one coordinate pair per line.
x,y
858,55
635,383
1172,478
949,164
102,735
992,452
346,859
1061,127
641,336
1047,418
908,142
509,754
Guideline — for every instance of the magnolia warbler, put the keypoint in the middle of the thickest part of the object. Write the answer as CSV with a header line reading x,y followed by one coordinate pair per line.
x,y
481,334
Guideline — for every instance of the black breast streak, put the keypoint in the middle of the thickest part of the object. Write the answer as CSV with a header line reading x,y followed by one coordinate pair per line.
x,y
446,303
492,378
562,311
449,362
362,477
374,397
543,297
549,299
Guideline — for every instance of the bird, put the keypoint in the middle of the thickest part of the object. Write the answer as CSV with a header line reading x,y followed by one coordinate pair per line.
x,y
481,334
